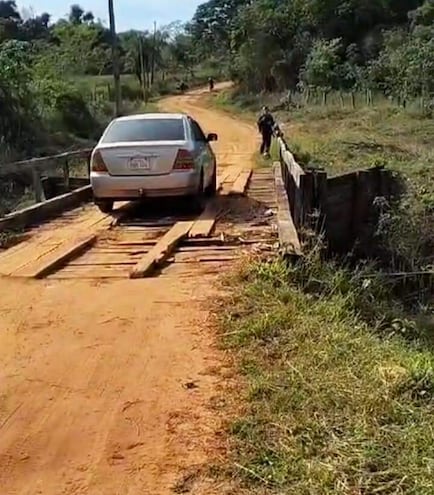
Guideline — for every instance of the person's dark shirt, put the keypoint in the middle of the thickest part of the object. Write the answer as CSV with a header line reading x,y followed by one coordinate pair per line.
x,y
266,124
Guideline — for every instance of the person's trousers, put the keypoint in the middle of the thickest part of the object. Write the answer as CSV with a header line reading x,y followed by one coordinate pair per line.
x,y
266,143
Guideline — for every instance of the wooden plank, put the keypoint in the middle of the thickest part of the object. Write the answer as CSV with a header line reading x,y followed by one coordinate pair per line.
x,y
31,252
240,185
204,225
221,178
162,250
57,258
233,174
288,236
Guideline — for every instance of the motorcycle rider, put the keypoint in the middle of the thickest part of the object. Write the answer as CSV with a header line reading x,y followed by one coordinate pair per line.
x,y
211,83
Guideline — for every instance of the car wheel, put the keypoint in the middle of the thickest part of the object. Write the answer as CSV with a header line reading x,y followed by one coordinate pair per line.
x,y
211,190
106,206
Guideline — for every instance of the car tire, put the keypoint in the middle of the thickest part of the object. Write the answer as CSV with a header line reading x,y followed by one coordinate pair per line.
x,y
106,205
211,190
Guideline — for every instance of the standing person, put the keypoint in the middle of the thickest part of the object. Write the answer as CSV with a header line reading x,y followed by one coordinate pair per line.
x,y
211,83
266,126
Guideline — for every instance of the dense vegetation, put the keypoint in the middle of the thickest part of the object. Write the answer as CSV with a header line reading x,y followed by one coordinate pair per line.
x,y
382,46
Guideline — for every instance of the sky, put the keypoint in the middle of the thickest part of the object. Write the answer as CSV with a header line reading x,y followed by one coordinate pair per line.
x,y
130,14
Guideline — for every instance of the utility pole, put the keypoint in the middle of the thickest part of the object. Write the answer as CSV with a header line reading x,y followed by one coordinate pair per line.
x,y
142,66
154,48
115,59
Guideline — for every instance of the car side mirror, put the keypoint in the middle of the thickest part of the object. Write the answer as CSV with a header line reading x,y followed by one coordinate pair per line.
x,y
212,137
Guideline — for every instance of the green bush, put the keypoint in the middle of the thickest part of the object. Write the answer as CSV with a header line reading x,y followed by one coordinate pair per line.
x,y
74,116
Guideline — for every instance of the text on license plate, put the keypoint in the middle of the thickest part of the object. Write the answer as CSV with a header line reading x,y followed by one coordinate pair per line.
x,y
139,164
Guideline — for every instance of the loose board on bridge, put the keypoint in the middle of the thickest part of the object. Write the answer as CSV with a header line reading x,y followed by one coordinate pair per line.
x,y
204,225
240,185
57,258
233,180
230,176
162,250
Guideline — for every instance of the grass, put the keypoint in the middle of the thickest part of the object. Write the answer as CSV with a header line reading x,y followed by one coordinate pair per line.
x,y
338,359
335,404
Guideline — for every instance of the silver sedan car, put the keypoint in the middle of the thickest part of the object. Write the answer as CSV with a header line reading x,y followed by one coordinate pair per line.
x,y
153,155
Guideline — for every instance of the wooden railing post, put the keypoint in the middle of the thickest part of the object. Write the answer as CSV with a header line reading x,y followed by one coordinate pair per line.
x,y
65,168
37,184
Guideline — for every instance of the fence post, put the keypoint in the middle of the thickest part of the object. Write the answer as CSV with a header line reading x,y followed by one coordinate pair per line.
x,y
65,168
37,184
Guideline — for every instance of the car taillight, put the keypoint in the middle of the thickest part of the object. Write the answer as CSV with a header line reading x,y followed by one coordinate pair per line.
x,y
184,161
97,164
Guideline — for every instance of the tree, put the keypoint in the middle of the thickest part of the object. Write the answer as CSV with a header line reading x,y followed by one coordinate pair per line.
x,y
322,66
16,103
83,48
424,15
405,67
88,17
212,24
8,10
76,14
10,20
36,28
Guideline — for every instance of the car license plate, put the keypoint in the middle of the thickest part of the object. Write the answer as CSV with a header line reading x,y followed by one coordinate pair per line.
x,y
140,164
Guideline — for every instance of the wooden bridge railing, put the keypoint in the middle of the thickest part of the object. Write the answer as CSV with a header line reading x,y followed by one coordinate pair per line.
x,y
341,207
37,166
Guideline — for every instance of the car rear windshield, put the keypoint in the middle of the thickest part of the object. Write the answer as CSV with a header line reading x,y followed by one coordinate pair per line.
x,y
145,130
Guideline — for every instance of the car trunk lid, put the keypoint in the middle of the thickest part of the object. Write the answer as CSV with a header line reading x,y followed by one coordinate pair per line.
x,y
141,159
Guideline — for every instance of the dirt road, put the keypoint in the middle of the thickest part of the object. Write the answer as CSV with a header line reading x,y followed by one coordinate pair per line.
x,y
107,388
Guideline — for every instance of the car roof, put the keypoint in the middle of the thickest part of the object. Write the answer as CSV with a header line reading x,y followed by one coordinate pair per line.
x,y
152,116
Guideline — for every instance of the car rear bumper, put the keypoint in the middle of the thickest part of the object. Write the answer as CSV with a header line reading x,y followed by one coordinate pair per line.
x,y
107,186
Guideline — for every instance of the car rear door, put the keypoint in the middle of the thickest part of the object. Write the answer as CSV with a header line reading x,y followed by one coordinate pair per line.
x,y
205,156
